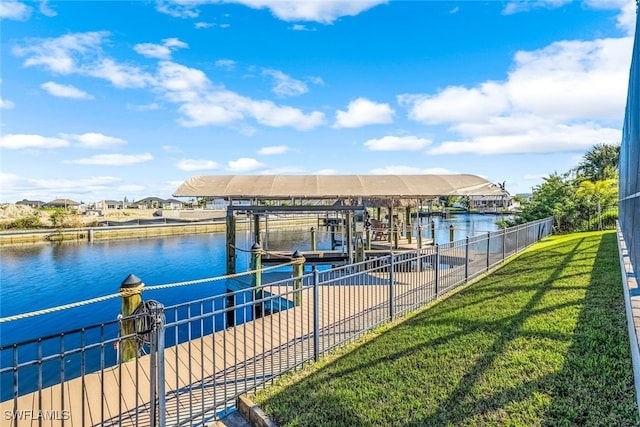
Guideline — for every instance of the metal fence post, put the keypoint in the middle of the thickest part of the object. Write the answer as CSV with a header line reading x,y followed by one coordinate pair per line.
x,y
157,374
488,249
437,268
391,287
517,243
504,244
316,316
466,260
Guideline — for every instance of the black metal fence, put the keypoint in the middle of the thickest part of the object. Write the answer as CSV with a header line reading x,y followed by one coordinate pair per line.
x,y
193,360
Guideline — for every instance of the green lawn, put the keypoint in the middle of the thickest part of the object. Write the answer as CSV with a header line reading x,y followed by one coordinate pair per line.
x,y
542,341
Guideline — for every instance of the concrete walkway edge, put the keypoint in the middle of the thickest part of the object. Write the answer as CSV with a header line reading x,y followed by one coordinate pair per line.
x,y
251,412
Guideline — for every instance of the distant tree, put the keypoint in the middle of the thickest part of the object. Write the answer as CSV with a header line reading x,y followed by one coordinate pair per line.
x,y
447,201
555,197
465,201
59,217
599,163
595,197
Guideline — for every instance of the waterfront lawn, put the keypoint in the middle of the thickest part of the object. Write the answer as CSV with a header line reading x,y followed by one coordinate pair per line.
x,y
542,341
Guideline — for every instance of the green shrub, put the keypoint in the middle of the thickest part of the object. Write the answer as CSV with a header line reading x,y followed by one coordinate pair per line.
x,y
26,223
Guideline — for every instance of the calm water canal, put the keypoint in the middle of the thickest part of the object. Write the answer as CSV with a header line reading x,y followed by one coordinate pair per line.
x,y
35,277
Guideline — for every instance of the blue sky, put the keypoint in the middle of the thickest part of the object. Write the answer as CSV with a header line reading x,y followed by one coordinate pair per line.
x,y
113,99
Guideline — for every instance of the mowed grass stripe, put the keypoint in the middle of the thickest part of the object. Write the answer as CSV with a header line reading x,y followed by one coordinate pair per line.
x,y
542,341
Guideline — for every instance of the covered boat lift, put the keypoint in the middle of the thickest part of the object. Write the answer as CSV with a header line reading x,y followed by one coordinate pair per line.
x,y
261,194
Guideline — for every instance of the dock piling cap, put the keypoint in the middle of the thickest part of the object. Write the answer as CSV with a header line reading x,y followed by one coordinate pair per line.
x,y
132,281
296,254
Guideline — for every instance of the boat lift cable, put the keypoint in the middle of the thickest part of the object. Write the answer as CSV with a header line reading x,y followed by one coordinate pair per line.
x,y
146,288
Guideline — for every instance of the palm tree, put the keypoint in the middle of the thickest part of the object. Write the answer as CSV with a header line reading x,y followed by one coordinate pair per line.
x,y
599,163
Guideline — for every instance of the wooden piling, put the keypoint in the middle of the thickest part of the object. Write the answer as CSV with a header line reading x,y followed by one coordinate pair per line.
x,y
313,239
451,234
256,228
407,224
131,293
231,242
433,231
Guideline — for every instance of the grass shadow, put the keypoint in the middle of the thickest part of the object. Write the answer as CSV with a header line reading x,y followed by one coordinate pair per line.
x,y
540,342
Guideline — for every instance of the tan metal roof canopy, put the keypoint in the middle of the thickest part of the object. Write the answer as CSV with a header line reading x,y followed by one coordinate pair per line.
x,y
249,187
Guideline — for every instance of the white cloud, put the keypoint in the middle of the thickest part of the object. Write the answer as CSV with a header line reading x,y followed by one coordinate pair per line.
x,y
284,170
397,143
120,75
81,53
457,103
200,102
563,97
113,159
178,8
276,149
16,187
147,107
65,91
325,12
163,51
46,10
226,64
95,140
62,54
10,9
5,103
285,85
572,79
222,107
525,6
541,138
172,149
245,164
362,112
196,165
181,83
20,141
199,25
300,27
151,50
131,188
327,172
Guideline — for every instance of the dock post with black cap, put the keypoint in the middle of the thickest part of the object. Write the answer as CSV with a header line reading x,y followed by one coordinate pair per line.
x,y
131,292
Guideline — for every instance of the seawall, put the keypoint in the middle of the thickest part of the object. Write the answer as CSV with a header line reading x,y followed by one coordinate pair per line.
x,y
88,234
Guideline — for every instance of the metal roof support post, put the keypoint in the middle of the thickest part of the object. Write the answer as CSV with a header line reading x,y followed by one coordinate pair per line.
x,y
231,242
407,222
349,235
